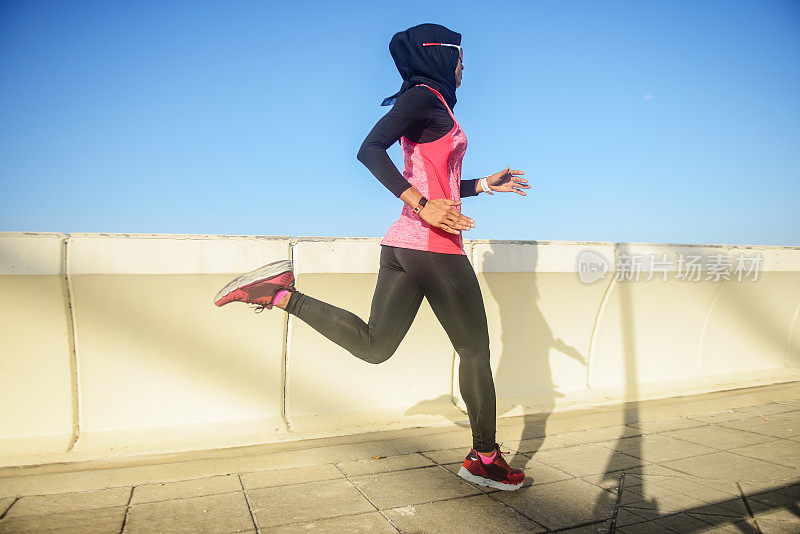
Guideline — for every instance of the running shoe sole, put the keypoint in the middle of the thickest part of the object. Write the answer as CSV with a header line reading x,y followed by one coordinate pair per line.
x,y
488,482
262,273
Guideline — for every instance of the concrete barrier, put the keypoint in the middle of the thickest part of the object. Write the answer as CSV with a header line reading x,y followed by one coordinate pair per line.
x,y
159,364
37,387
111,344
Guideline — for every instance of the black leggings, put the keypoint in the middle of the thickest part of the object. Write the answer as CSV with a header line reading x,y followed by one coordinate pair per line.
x,y
451,287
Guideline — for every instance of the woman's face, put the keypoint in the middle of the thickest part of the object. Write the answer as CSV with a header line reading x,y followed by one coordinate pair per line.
x,y
459,69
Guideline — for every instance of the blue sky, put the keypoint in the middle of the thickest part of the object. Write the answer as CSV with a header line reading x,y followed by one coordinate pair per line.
x,y
645,121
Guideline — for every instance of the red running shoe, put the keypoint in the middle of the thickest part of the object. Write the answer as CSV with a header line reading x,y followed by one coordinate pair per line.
x,y
259,286
497,474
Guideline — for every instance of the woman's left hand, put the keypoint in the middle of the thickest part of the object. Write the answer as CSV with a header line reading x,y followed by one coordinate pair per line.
x,y
507,181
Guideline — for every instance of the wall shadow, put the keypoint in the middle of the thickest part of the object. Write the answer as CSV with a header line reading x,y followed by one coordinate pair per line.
x,y
632,445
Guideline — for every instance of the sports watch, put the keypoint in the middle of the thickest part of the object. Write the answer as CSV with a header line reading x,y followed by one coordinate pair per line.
x,y
420,205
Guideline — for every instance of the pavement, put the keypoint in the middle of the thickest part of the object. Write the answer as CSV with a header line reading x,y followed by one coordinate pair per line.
x,y
718,462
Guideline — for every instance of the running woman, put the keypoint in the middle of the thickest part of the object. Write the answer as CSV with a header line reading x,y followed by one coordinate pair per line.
x,y
422,254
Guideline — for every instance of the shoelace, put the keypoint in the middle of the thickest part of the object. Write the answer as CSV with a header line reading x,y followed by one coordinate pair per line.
x,y
500,460
258,308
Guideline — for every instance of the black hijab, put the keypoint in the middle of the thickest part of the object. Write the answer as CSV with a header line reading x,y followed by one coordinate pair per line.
x,y
432,65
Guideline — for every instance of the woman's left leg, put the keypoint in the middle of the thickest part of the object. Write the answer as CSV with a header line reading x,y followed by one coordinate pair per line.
x,y
449,283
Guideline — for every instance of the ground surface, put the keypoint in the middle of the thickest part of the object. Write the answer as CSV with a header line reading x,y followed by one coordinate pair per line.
x,y
720,462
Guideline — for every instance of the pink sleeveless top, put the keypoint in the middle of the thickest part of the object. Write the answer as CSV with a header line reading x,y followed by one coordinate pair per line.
x,y
434,168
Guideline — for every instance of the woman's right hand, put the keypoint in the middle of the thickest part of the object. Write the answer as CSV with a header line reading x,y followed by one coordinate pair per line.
x,y
439,212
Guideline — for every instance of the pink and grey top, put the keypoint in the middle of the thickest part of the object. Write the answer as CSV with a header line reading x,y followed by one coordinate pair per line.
x,y
434,168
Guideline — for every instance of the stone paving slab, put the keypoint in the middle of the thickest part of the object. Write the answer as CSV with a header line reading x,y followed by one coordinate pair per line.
x,y
783,452
681,522
769,525
368,523
223,513
99,520
645,528
478,513
766,409
371,466
789,416
66,502
656,448
602,527
769,426
561,504
556,441
415,486
719,437
198,487
653,498
725,465
284,477
719,417
447,456
608,433
628,517
667,424
588,459
725,525
690,485
295,503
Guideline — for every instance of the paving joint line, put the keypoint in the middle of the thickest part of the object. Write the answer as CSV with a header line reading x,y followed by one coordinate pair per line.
x,y
175,498
127,511
247,500
367,498
9,507
620,489
749,510
79,509
761,459
579,525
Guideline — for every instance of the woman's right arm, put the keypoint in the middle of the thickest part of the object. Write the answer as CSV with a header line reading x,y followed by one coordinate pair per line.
x,y
412,109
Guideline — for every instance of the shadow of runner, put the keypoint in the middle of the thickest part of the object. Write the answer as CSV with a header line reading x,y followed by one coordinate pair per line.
x,y
526,340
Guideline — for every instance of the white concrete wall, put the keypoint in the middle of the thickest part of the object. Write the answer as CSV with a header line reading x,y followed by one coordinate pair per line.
x,y
111,344
36,378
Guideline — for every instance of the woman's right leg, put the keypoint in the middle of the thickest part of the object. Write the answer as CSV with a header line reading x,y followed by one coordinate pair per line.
x,y
395,303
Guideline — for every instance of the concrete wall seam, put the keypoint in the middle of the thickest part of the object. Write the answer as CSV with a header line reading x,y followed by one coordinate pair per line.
x,y
285,351
593,339
72,331
790,337
717,293
287,344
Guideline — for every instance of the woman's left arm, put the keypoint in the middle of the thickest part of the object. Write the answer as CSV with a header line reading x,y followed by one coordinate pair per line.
x,y
505,181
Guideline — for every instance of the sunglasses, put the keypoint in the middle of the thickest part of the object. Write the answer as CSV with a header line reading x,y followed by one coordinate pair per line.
x,y
460,50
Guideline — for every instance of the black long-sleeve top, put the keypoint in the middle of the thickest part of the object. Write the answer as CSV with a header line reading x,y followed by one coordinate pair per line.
x,y
421,117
